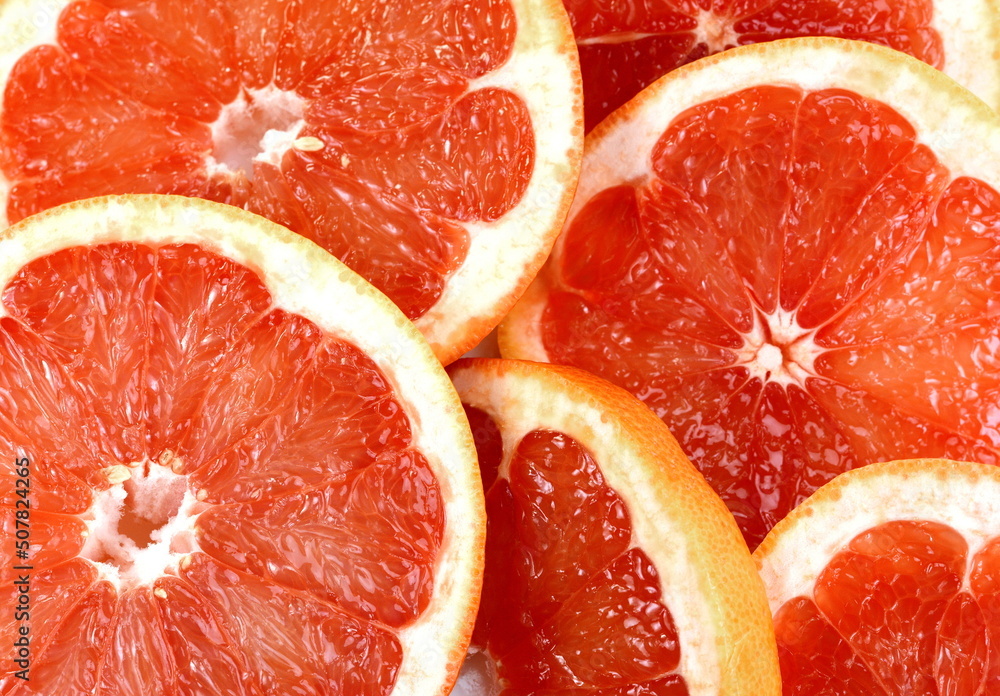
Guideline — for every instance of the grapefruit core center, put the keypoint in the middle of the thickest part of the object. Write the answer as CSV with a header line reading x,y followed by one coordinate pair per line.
x,y
778,349
716,32
260,125
140,527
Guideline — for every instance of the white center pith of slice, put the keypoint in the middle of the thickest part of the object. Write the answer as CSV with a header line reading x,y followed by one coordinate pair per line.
x,y
140,527
260,125
716,31
778,350
478,676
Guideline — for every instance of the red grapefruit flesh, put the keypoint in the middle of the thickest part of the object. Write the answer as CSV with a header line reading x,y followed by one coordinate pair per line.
x,y
393,137
568,541
798,279
625,46
227,493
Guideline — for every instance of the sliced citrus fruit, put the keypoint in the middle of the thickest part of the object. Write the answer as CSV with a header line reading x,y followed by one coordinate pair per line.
x,y
433,148
789,252
247,472
611,566
887,582
624,46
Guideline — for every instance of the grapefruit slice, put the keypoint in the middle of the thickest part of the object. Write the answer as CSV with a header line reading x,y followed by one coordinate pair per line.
x,y
887,582
246,471
611,566
433,148
625,46
789,251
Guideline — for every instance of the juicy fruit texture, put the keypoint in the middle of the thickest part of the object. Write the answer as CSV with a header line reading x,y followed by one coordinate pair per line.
x,y
378,145
626,46
315,522
906,607
568,602
798,287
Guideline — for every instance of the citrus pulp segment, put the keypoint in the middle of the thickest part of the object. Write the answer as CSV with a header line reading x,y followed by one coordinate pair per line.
x,y
626,46
433,148
611,567
242,459
789,252
887,581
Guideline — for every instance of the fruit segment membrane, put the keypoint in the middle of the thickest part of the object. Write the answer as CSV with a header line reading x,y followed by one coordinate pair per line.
x,y
377,145
225,498
568,602
906,607
625,46
797,287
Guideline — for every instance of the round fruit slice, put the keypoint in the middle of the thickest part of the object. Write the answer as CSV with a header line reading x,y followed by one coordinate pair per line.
x,y
236,468
624,46
789,251
433,148
887,582
611,566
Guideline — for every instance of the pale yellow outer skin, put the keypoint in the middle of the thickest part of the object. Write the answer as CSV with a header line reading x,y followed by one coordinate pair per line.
x,y
961,130
305,279
505,254
709,582
962,495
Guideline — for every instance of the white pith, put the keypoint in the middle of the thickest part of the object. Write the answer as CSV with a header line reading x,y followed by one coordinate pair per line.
x,y
478,676
961,495
306,280
970,33
778,350
523,403
960,129
715,31
615,38
260,125
155,493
